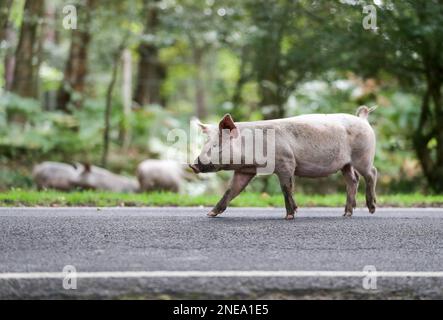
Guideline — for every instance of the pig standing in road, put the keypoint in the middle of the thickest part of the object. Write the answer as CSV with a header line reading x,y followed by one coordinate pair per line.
x,y
160,175
313,145
97,178
55,175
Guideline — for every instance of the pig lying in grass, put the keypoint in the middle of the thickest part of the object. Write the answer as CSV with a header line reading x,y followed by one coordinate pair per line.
x,y
67,177
96,178
313,145
55,175
160,175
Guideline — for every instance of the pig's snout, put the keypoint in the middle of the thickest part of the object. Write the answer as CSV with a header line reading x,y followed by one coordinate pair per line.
x,y
194,168
200,167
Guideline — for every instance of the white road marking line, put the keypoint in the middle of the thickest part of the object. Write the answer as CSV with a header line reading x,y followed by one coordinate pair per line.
x,y
220,274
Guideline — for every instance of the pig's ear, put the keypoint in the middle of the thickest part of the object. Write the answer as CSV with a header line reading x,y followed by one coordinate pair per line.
x,y
204,127
228,123
86,167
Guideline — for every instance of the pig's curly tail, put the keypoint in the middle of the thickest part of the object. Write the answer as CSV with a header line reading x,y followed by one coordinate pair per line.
x,y
364,111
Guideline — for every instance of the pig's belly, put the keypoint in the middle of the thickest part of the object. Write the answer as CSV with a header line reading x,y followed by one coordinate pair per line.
x,y
313,169
321,155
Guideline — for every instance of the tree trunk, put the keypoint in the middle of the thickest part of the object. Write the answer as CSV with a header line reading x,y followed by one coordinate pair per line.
x,y
200,94
239,113
429,128
11,36
428,136
51,19
50,39
438,170
125,133
270,74
151,72
73,86
273,96
108,109
25,64
39,56
5,8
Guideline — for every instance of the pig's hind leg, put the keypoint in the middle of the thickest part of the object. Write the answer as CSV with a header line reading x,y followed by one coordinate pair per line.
x,y
369,172
351,178
371,180
239,182
287,187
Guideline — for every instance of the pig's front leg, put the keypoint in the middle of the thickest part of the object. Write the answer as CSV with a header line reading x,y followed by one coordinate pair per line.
x,y
239,182
287,186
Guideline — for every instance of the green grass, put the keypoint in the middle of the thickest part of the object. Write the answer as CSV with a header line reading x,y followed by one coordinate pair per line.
x,y
32,198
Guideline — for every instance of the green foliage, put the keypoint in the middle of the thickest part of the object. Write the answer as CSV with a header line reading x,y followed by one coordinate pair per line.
x,y
13,106
14,179
259,59
27,127
36,136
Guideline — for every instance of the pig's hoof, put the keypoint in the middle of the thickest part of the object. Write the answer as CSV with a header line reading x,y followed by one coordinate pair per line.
x,y
347,214
212,214
371,209
289,217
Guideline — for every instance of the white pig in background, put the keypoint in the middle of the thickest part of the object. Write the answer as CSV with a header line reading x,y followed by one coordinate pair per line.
x,y
160,175
96,178
56,175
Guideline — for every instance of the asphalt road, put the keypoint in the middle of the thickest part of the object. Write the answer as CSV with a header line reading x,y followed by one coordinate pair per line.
x,y
121,240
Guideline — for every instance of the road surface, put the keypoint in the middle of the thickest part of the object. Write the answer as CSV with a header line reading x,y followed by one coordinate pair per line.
x,y
246,253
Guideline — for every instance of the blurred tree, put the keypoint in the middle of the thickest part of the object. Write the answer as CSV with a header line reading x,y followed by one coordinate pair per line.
x,y
9,63
108,106
408,44
25,63
198,53
421,38
76,69
272,19
151,71
243,77
5,8
202,26
8,34
285,51
124,129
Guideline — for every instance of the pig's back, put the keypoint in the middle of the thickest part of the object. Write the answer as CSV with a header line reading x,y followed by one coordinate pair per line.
x,y
316,120
54,175
103,179
323,144
163,175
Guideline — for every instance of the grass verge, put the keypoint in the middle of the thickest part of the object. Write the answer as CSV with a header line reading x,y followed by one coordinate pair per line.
x,y
31,198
